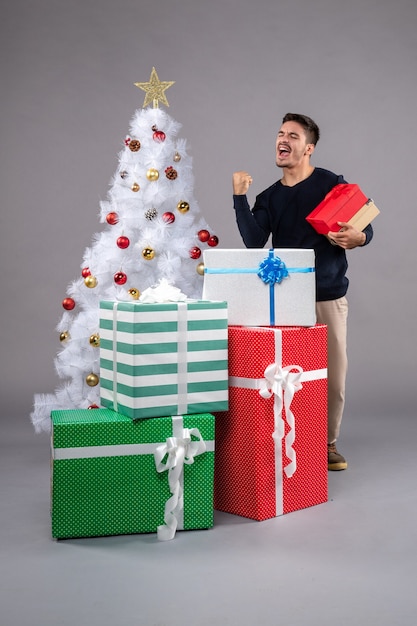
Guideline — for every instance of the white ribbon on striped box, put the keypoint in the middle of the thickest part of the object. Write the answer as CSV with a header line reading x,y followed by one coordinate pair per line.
x,y
283,383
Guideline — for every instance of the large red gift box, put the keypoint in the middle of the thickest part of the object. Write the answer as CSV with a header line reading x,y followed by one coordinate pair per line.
x,y
344,203
271,445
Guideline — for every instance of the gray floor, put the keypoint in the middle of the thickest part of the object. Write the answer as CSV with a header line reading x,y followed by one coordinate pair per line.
x,y
351,561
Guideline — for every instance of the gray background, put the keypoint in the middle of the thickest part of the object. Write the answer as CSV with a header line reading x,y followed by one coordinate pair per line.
x,y
67,97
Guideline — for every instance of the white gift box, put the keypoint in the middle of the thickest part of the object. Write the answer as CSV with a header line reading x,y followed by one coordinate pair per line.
x,y
263,287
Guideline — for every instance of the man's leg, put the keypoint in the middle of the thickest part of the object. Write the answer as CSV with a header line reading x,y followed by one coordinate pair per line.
x,y
334,314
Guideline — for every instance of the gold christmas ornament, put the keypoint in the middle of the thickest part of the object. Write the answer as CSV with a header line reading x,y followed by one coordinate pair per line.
x,y
154,90
135,187
135,293
152,174
148,254
200,269
92,380
95,340
177,157
64,336
183,206
90,282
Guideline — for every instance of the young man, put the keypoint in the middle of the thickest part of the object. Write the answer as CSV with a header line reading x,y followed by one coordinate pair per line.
x,y
281,210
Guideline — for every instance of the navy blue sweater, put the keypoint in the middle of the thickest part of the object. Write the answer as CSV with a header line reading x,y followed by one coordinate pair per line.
x,y
281,211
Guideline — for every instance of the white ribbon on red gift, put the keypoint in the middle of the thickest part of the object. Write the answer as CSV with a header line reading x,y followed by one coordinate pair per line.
x,y
178,450
276,381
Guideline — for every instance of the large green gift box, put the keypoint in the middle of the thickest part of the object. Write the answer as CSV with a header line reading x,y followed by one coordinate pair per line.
x,y
163,358
108,473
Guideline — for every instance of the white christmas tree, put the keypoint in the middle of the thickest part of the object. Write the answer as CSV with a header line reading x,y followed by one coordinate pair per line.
x,y
153,231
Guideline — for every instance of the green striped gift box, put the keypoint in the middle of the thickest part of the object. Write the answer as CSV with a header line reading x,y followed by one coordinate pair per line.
x,y
104,479
163,359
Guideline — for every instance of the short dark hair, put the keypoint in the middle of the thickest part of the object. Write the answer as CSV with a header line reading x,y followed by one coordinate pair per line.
x,y
309,125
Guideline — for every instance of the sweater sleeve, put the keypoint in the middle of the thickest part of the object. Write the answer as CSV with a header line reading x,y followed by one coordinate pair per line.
x,y
253,232
369,233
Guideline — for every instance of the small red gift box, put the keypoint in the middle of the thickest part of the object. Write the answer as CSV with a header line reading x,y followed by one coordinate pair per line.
x,y
343,203
271,445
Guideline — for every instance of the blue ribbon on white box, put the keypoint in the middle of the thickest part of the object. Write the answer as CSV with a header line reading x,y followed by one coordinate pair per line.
x,y
272,270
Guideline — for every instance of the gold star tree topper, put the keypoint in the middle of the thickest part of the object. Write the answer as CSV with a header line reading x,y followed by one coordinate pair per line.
x,y
155,89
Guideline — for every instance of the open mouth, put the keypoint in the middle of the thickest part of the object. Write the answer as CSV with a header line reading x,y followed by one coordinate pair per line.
x,y
283,151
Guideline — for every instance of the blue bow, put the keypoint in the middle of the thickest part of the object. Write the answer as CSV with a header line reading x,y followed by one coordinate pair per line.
x,y
272,269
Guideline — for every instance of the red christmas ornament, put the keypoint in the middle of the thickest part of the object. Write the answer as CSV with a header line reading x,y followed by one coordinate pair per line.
x,y
93,406
195,253
123,242
213,241
85,272
203,235
159,136
168,217
68,304
112,218
120,278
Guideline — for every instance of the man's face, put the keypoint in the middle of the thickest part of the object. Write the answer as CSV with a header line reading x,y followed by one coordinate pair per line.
x,y
292,147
